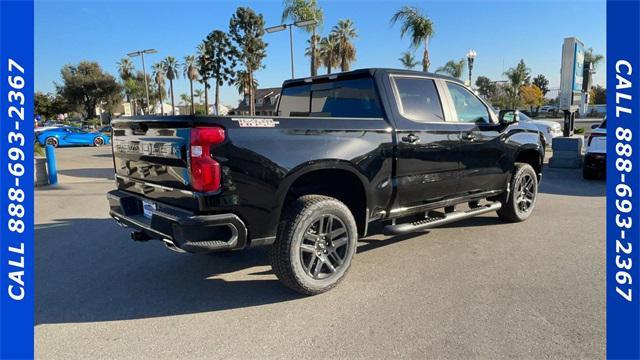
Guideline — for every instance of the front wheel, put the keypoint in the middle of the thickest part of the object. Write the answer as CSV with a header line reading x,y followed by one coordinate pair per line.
x,y
98,141
51,141
315,243
519,203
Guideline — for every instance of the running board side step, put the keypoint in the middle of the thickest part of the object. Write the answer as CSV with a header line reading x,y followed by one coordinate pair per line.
x,y
446,218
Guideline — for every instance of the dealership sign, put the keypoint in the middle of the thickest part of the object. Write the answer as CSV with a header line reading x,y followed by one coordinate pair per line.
x,y
571,74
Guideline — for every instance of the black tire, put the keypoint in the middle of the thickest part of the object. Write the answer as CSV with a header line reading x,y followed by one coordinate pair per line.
x,y
518,204
51,141
299,250
588,174
98,141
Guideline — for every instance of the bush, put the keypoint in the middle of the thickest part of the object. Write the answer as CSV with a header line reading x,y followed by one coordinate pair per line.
x,y
38,150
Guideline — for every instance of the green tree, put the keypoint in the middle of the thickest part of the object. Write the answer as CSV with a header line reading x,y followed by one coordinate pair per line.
x,y
171,72
328,49
344,32
313,52
86,85
246,29
203,68
299,10
125,68
590,57
186,99
486,87
542,83
190,71
159,80
408,60
49,105
242,82
221,61
598,95
198,94
419,27
517,76
452,68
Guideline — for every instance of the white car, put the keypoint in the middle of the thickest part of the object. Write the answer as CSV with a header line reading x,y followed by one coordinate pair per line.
x,y
550,129
595,159
548,109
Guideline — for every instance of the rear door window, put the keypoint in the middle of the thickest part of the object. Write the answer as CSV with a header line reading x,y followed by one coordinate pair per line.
x,y
343,98
418,99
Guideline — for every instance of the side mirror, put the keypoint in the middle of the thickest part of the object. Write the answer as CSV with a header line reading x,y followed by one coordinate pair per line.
x,y
509,116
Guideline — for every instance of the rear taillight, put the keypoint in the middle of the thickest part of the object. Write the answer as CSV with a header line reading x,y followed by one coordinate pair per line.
x,y
205,171
593,135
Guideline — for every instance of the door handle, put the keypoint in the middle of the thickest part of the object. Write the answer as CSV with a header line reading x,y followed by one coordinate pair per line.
x,y
469,136
411,138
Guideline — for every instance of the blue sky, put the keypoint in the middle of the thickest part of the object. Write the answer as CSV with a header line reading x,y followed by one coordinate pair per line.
x,y
502,32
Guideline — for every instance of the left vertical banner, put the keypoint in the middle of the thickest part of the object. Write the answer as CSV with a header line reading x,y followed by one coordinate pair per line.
x,y
16,179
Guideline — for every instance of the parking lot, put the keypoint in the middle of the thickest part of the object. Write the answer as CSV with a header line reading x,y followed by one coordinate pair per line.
x,y
475,289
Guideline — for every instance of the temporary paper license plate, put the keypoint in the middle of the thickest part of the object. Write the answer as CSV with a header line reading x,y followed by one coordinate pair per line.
x,y
148,208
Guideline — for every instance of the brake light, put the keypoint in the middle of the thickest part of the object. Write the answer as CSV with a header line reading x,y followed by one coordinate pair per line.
x,y
593,135
205,171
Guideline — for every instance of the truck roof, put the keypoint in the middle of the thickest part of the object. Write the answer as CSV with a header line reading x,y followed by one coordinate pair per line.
x,y
364,72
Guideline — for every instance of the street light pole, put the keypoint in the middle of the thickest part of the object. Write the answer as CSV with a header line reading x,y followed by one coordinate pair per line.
x,y
471,57
144,72
282,27
291,47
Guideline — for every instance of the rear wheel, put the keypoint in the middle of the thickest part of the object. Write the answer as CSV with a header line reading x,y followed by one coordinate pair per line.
x,y
588,174
51,141
98,141
315,243
519,203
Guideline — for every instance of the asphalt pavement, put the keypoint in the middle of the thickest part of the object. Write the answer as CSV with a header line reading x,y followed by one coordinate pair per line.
x,y
479,288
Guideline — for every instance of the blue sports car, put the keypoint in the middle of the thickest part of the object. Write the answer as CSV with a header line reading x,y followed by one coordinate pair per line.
x,y
70,136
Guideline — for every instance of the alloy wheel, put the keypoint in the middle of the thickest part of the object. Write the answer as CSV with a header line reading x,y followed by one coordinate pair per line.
x,y
525,193
324,247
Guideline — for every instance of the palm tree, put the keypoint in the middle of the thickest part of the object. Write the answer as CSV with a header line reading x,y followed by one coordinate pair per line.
x,y
186,99
408,60
198,94
203,66
344,32
158,77
328,49
299,10
125,68
517,76
453,68
242,81
191,73
313,52
171,71
418,26
594,59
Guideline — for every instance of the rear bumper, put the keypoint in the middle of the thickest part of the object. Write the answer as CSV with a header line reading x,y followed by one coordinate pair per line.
x,y
177,227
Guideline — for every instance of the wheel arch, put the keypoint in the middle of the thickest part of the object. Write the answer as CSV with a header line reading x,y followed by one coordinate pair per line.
x,y
337,179
533,156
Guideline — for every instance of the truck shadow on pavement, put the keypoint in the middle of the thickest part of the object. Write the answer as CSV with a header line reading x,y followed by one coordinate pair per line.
x,y
88,270
570,182
94,173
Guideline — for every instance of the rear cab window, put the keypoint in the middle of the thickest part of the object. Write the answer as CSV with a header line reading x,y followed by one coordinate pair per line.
x,y
349,98
418,99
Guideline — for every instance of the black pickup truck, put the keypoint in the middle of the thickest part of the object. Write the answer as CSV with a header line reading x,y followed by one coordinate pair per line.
x,y
401,150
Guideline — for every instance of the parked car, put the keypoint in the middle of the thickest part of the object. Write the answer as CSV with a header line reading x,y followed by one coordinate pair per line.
x,y
70,136
406,149
595,158
550,129
548,109
105,130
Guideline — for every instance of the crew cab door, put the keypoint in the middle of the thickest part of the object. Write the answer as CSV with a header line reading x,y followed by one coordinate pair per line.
x,y
427,146
483,160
